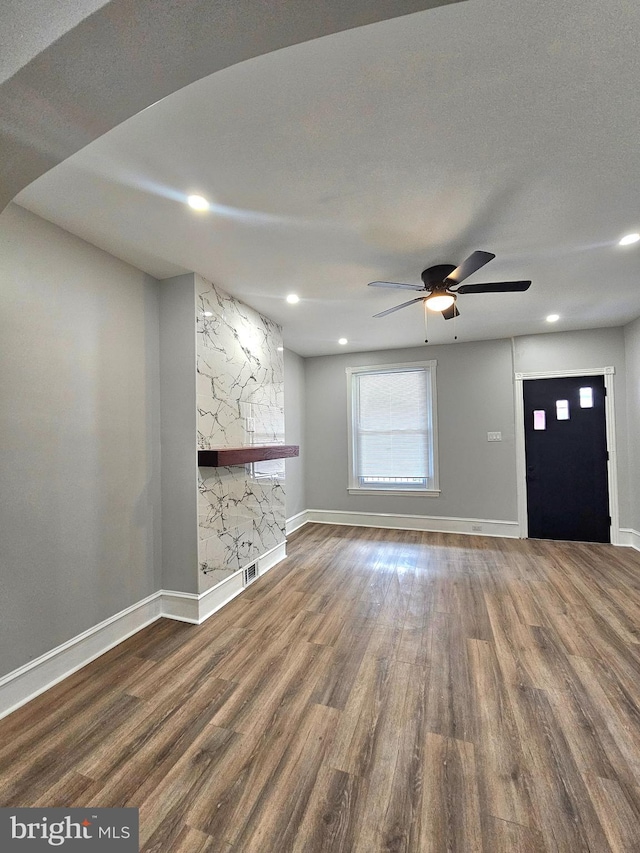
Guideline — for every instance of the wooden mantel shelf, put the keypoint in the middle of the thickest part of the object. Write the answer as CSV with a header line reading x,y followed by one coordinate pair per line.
x,y
224,456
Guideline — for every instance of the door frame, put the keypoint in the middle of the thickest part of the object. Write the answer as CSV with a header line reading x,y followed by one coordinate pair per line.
x,y
610,420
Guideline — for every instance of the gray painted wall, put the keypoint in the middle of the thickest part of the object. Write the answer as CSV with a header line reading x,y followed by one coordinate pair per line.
x,y
80,450
632,351
475,396
178,434
566,350
295,425
586,349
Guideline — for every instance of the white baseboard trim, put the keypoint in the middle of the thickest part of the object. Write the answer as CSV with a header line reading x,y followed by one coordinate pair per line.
x,y
207,603
434,524
297,521
630,538
181,606
272,558
23,684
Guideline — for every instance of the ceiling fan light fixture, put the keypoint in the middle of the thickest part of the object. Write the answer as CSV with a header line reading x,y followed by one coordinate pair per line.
x,y
440,301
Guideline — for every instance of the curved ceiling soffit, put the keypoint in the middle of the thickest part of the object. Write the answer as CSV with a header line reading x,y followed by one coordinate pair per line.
x,y
129,55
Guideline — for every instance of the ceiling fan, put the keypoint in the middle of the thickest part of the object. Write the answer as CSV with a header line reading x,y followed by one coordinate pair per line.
x,y
443,283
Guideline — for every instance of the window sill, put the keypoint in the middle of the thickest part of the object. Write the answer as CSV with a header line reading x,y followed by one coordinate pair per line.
x,y
405,493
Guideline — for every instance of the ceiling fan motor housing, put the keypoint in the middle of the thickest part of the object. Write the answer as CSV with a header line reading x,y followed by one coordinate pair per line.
x,y
433,278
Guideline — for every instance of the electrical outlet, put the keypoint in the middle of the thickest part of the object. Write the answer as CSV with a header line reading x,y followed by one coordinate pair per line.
x,y
251,425
476,528
494,436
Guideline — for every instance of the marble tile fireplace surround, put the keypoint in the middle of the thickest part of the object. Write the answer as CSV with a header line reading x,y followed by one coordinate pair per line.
x,y
240,402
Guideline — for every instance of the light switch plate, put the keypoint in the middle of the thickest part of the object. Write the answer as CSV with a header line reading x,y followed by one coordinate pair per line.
x,y
494,436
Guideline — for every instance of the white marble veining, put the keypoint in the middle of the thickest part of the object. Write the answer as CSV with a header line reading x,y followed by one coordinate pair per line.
x,y
240,401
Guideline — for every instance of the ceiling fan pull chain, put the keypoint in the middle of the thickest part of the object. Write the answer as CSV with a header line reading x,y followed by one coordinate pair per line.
x,y
455,314
426,322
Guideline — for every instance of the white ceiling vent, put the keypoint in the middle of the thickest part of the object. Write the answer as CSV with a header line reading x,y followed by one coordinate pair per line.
x,y
250,573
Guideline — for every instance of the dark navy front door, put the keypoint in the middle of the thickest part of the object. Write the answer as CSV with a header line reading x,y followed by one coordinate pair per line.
x,y
566,453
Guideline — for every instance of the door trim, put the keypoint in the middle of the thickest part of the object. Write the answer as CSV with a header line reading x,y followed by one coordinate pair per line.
x,y
610,418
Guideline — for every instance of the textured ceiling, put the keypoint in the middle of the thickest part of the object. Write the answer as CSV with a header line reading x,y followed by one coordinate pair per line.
x,y
30,26
369,154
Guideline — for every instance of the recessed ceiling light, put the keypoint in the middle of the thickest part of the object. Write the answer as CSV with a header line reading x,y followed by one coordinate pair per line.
x,y
629,239
292,298
342,341
280,349
197,202
207,313
553,318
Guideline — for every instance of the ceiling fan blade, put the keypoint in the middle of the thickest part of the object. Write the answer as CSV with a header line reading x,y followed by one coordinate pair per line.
x,y
474,262
496,287
396,284
398,307
451,312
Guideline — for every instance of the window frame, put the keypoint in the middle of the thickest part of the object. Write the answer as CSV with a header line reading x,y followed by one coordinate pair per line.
x,y
429,367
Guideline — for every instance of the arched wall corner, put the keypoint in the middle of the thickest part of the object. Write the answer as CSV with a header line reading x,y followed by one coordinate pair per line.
x,y
126,56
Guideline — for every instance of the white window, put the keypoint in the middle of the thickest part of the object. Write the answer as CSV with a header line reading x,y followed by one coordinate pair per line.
x,y
586,398
392,429
539,419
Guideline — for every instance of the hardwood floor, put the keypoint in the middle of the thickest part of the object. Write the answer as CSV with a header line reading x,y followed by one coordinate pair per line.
x,y
378,691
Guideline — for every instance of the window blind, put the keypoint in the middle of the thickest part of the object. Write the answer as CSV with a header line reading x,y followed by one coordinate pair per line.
x,y
392,425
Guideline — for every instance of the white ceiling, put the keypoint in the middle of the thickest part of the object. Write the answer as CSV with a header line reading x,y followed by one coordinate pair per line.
x,y
506,126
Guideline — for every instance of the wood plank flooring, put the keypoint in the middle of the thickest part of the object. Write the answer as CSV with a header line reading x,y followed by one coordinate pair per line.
x,y
378,691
